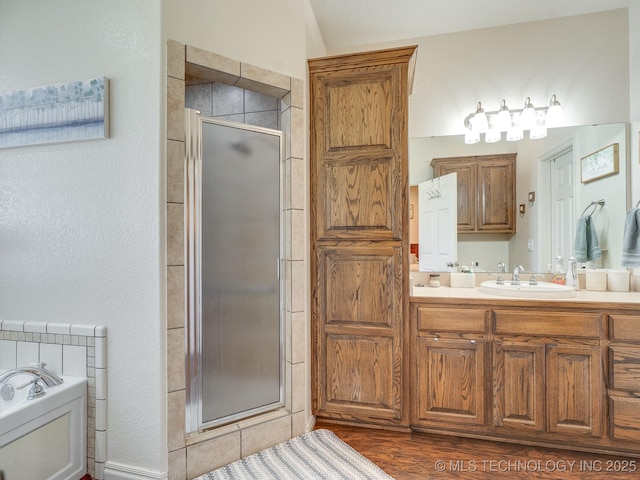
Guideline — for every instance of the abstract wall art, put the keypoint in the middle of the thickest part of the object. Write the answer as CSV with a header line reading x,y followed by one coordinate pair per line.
x,y
65,112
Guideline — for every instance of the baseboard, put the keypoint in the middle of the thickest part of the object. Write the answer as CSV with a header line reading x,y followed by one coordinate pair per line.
x,y
311,423
116,471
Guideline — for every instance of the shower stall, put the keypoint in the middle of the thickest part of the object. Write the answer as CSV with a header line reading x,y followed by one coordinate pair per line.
x,y
233,208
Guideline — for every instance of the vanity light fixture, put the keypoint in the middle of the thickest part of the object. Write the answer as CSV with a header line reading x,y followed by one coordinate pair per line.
x,y
534,119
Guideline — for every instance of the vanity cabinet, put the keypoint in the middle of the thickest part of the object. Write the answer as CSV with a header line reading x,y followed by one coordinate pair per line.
x,y
548,372
486,191
450,359
359,236
624,378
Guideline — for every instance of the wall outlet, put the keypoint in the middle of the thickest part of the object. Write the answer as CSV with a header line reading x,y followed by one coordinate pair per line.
x,y
530,245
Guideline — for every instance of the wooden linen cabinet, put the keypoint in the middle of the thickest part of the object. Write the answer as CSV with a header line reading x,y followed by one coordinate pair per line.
x,y
359,234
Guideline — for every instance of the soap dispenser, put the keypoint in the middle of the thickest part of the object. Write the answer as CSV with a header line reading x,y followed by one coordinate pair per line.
x,y
571,278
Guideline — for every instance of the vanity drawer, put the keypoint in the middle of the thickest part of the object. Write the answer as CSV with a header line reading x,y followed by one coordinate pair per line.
x,y
625,423
624,328
583,325
457,320
625,368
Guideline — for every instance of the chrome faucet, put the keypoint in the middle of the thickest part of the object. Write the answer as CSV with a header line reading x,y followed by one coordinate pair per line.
x,y
49,378
515,279
502,268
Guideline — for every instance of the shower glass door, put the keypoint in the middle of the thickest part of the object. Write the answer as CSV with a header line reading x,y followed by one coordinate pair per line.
x,y
236,357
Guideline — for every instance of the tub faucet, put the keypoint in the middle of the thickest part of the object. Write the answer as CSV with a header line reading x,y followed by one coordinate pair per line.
x,y
515,279
49,378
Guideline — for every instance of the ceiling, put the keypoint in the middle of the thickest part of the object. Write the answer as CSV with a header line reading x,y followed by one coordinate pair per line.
x,y
348,23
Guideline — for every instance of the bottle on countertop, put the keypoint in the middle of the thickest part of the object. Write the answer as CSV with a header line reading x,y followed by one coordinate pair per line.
x,y
571,278
558,275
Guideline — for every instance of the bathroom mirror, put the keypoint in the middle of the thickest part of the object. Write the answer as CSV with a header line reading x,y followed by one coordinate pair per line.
x,y
537,242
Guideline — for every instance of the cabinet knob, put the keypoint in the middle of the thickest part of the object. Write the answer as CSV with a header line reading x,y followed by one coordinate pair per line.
x,y
472,341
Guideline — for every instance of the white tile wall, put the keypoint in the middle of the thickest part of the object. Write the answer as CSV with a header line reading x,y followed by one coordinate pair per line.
x,y
74,350
7,354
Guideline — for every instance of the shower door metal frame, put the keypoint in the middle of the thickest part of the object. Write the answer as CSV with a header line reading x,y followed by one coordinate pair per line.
x,y
193,277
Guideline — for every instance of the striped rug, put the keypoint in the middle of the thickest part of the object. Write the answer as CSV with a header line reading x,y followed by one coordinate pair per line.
x,y
317,455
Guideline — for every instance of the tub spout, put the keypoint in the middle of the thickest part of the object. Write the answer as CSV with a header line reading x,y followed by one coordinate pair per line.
x,y
49,378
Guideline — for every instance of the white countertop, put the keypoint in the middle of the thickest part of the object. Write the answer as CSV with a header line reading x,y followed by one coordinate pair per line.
x,y
475,293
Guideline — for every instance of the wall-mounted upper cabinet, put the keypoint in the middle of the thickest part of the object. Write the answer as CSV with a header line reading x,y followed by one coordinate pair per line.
x,y
486,191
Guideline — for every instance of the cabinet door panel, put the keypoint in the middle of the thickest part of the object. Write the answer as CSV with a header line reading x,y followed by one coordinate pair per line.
x,y
450,382
358,198
574,398
360,373
358,111
518,386
361,286
467,203
496,196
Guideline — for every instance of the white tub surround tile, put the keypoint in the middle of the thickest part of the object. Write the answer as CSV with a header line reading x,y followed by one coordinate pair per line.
x,y
101,415
74,360
51,354
59,328
85,330
101,383
35,327
100,352
101,446
27,353
13,326
67,349
8,354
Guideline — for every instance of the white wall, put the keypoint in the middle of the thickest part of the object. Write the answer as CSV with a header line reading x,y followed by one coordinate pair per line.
x,y
583,59
269,34
80,223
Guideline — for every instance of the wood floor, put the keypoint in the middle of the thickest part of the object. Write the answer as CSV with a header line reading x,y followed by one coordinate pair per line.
x,y
413,456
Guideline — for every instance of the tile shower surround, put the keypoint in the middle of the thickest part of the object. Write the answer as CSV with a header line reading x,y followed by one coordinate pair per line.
x,y
191,455
67,349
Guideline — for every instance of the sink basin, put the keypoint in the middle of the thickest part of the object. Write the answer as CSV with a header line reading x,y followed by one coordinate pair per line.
x,y
524,290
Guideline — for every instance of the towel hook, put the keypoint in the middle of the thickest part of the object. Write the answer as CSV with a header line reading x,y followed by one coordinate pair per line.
x,y
594,204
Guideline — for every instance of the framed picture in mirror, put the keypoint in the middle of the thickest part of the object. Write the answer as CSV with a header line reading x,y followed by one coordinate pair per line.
x,y
601,163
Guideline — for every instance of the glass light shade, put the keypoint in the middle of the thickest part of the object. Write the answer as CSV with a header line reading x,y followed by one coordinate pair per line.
x,y
515,134
471,137
528,116
537,132
503,122
555,115
480,122
492,135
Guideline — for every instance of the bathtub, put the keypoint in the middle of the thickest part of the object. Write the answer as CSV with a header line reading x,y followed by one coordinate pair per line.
x,y
45,438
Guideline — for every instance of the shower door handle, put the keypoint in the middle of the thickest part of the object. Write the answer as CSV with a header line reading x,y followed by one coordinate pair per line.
x,y
278,268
